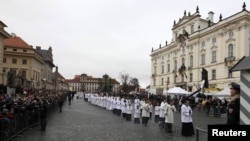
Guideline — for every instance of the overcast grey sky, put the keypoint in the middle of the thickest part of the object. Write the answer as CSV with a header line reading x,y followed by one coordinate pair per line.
x,y
104,36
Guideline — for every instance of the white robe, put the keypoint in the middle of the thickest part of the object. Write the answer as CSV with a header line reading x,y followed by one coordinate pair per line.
x,y
169,113
186,114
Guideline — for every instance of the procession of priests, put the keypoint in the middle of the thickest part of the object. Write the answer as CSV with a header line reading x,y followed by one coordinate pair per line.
x,y
134,109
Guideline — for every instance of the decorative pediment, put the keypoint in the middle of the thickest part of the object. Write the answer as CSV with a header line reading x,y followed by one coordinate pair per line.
x,y
213,47
191,52
202,50
183,55
232,27
230,40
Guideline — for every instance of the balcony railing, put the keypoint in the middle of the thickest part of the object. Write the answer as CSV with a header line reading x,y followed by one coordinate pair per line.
x,y
229,59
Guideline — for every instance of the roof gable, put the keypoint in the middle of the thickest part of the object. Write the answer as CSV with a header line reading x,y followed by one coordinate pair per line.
x,y
242,64
16,42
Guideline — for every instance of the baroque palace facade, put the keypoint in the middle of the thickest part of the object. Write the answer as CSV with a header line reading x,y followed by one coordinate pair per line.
x,y
199,44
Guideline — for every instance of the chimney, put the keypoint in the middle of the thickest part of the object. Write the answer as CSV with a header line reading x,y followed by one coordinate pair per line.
x,y
211,16
38,47
13,35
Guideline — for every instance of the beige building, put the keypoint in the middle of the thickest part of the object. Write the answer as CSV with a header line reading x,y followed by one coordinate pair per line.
x,y
3,35
47,69
59,81
90,84
201,43
22,62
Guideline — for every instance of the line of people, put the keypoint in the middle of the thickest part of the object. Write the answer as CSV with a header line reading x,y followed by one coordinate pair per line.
x,y
141,109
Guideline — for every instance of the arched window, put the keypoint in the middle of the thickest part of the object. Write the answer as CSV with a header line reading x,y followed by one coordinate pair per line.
x,y
230,50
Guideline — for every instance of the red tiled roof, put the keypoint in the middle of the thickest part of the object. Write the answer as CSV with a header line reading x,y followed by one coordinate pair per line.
x,y
60,76
16,42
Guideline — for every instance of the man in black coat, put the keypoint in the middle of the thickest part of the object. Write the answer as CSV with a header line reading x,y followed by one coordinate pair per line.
x,y
69,97
43,114
233,111
60,103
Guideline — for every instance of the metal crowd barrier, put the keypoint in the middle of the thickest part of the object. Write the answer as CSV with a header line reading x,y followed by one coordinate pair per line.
x,y
22,121
198,131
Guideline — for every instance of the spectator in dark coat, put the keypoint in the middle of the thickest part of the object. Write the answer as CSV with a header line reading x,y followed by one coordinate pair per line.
x,y
43,114
233,111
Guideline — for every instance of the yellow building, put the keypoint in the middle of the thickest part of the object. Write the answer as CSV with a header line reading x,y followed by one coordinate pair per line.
x,y
22,62
3,35
201,43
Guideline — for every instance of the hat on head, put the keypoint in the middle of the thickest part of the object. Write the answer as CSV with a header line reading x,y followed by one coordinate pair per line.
x,y
235,86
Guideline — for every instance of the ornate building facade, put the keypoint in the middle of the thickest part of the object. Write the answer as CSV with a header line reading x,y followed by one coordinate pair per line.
x,y
90,84
199,44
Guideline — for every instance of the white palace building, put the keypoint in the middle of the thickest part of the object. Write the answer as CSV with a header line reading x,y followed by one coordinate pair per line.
x,y
197,44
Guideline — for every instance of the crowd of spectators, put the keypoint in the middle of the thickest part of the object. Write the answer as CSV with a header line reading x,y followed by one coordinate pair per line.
x,y
21,110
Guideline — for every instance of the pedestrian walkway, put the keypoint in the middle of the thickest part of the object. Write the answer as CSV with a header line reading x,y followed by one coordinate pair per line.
x,y
82,121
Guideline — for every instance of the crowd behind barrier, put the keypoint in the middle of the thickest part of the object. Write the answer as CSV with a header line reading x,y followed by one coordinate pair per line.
x,y
21,111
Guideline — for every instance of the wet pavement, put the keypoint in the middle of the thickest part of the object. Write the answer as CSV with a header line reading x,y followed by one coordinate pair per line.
x,y
82,121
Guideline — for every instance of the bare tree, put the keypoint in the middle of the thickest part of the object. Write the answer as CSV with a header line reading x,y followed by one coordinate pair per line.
x,y
124,76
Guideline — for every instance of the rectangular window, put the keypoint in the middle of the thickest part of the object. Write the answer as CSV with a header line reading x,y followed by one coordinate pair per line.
x,y
14,49
162,69
213,56
203,44
162,81
191,61
191,77
24,61
14,61
203,59
213,74
214,40
4,60
230,50
24,50
168,67
175,77
23,73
